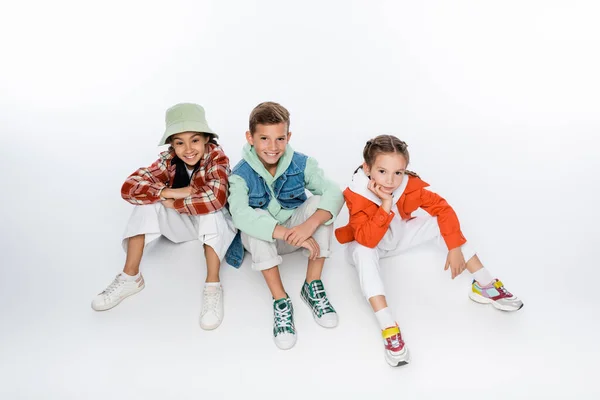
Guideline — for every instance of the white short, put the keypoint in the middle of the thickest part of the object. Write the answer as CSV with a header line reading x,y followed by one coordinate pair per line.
x,y
153,220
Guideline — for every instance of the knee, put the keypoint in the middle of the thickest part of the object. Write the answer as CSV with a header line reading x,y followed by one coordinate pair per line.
x,y
312,203
362,253
147,208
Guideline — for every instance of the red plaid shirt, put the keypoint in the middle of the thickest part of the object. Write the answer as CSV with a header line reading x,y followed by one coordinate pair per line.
x,y
209,183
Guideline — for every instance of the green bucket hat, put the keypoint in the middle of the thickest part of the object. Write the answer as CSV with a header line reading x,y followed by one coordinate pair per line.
x,y
185,117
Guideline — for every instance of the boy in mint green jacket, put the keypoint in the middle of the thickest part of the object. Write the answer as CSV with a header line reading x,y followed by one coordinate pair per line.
x,y
269,206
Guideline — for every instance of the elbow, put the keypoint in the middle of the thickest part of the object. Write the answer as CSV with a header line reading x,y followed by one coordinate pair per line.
x,y
221,201
125,195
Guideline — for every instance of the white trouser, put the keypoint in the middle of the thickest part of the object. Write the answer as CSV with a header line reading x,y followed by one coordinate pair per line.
x,y
401,236
266,255
153,220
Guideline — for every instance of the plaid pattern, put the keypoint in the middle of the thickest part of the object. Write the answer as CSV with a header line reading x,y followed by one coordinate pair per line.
x,y
283,317
314,295
209,182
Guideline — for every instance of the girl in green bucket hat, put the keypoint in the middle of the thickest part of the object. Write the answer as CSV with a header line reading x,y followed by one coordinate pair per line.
x,y
181,196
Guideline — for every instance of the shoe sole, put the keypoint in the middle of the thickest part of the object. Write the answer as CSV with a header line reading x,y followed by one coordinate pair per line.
x,y
281,347
395,362
318,320
477,298
210,327
108,307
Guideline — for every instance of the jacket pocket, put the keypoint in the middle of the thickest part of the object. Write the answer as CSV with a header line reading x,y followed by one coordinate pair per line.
x,y
258,200
292,193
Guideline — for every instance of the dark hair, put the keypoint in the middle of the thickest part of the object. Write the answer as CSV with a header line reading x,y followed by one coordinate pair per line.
x,y
269,113
181,178
211,138
385,144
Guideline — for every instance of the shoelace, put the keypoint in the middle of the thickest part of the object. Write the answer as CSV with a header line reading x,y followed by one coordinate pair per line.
x,y
210,301
116,283
394,341
321,302
283,318
505,292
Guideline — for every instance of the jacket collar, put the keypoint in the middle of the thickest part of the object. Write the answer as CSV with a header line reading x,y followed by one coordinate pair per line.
x,y
250,156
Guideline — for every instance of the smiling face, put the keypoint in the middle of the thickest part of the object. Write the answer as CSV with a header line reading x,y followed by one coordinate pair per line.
x,y
189,147
387,171
269,142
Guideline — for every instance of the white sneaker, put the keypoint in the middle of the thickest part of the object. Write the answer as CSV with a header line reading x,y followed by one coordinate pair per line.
x,y
212,307
116,292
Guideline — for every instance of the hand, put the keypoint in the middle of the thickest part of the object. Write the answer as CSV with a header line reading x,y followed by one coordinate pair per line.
x,y
456,262
312,246
169,203
299,233
375,188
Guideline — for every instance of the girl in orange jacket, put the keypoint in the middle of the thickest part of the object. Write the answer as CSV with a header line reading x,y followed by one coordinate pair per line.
x,y
381,198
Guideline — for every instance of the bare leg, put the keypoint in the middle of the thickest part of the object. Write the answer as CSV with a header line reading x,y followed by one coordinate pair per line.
x,y
314,269
135,249
273,279
213,264
378,303
474,264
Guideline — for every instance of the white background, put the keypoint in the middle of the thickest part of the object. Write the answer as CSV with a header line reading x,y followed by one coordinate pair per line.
x,y
498,102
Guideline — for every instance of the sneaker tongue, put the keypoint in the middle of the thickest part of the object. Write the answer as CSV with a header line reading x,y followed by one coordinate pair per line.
x,y
281,304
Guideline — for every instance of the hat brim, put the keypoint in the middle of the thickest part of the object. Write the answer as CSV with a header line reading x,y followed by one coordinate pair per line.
x,y
186,126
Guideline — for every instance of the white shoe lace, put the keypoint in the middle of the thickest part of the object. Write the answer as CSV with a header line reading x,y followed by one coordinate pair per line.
x,y
210,301
113,287
321,302
283,318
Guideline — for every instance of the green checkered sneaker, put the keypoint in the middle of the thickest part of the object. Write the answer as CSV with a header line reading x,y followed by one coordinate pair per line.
x,y
283,317
315,297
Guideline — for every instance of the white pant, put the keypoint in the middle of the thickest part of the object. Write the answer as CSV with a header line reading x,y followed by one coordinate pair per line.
x,y
153,220
401,236
266,255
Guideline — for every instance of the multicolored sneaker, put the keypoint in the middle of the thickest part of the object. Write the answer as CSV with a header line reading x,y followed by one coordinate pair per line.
x,y
396,353
116,292
315,297
495,293
284,331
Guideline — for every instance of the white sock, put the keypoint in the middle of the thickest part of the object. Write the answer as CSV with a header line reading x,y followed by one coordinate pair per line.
x,y
483,277
385,318
216,284
129,278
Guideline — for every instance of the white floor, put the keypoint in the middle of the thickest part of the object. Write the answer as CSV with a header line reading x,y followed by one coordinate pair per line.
x,y
53,346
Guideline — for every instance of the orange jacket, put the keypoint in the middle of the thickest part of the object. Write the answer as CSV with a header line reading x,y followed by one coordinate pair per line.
x,y
369,222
